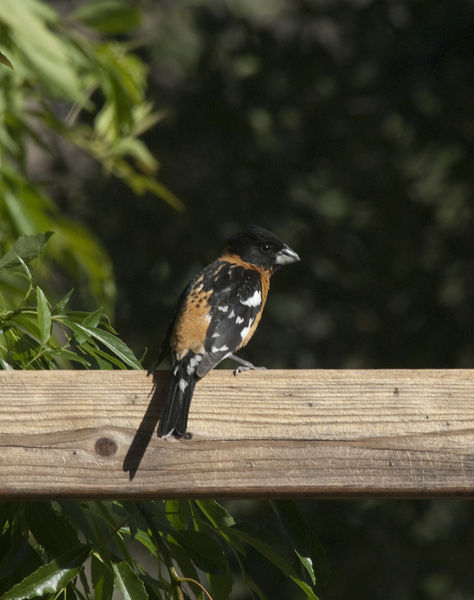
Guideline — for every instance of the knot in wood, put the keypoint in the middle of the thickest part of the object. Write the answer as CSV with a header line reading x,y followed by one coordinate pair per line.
x,y
105,446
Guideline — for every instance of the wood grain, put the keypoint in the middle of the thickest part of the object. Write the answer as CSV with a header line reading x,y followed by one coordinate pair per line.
x,y
344,433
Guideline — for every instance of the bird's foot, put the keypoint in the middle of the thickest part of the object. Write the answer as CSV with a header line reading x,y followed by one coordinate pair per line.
x,y
245,365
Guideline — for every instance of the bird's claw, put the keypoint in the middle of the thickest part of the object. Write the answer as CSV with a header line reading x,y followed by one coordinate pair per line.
x,y
243,368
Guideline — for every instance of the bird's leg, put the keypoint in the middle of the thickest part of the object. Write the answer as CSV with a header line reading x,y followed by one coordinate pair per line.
x,y
245,365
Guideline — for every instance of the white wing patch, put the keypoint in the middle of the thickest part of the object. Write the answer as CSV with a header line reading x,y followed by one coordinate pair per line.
x,y
193,363
224,309
254,300
221,349
245,330
239,320
183,384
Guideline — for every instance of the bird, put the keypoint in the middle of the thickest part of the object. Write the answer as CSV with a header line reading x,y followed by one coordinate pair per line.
x,y
216,315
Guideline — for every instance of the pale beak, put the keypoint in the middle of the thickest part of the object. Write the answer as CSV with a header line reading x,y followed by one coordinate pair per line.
x,y
286,256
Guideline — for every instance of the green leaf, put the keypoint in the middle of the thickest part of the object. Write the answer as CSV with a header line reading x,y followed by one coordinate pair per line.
x,y
116,536
144,539
17,555
153,586
183,560
18,562
102,576
115,344
45,54
265,542
76,515
50,578
307,547
63,354
128,582
50,529
220,586
160,518
4,61
109,16
135,148
62,304
27,325
219,518
216,513
101,360
72,593
80,335
203,550
26,247
44,316
5,365
93,319
177,513
262,540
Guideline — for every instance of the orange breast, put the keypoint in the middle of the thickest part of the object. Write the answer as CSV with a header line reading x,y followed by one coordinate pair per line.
x,y
191,323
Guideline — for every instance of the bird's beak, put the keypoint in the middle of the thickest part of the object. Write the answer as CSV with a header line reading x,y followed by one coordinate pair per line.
x,y
286,256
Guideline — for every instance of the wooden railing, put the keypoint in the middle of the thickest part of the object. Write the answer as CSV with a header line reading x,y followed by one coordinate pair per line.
x,y
319,433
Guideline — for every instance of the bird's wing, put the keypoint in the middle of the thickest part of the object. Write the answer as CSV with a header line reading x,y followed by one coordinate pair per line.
x,y
235,305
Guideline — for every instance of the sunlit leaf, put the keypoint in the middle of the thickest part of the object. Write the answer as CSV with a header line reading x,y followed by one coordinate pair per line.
x,y
5,365
216,513
44,316
115,344
28,325
4,61
80,335
48,56
50,578
177,513
128,582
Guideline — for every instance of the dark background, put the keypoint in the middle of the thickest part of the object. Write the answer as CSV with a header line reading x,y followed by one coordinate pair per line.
x,y
347,128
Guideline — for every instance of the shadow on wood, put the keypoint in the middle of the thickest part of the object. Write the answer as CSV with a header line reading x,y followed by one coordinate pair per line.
x,y
146,429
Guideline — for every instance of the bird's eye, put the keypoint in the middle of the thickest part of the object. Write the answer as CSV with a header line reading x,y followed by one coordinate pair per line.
x,y
265,248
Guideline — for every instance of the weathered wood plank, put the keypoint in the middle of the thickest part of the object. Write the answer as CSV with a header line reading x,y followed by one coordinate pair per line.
x,y
92,434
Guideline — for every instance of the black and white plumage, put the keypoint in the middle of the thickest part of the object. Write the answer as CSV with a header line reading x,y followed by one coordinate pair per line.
x,y
217,314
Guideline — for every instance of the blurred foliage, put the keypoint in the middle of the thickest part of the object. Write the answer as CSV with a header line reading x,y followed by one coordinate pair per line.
x,y
59,72
33,335
90,549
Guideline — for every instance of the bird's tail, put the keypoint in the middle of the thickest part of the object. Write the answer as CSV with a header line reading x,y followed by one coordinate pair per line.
x,y
175,415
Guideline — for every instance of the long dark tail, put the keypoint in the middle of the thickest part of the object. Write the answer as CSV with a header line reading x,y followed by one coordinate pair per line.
x,y
175,415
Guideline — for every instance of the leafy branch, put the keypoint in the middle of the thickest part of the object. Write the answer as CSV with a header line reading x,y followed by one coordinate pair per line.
x,y
33,335
57,565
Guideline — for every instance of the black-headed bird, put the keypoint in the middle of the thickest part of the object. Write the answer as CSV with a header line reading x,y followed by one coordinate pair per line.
x,y
217,314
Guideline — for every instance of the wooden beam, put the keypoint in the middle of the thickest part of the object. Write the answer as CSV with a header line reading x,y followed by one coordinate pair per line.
x,y
344,433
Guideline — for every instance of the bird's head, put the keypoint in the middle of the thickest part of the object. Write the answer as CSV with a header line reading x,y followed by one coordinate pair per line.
x,y
261,248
